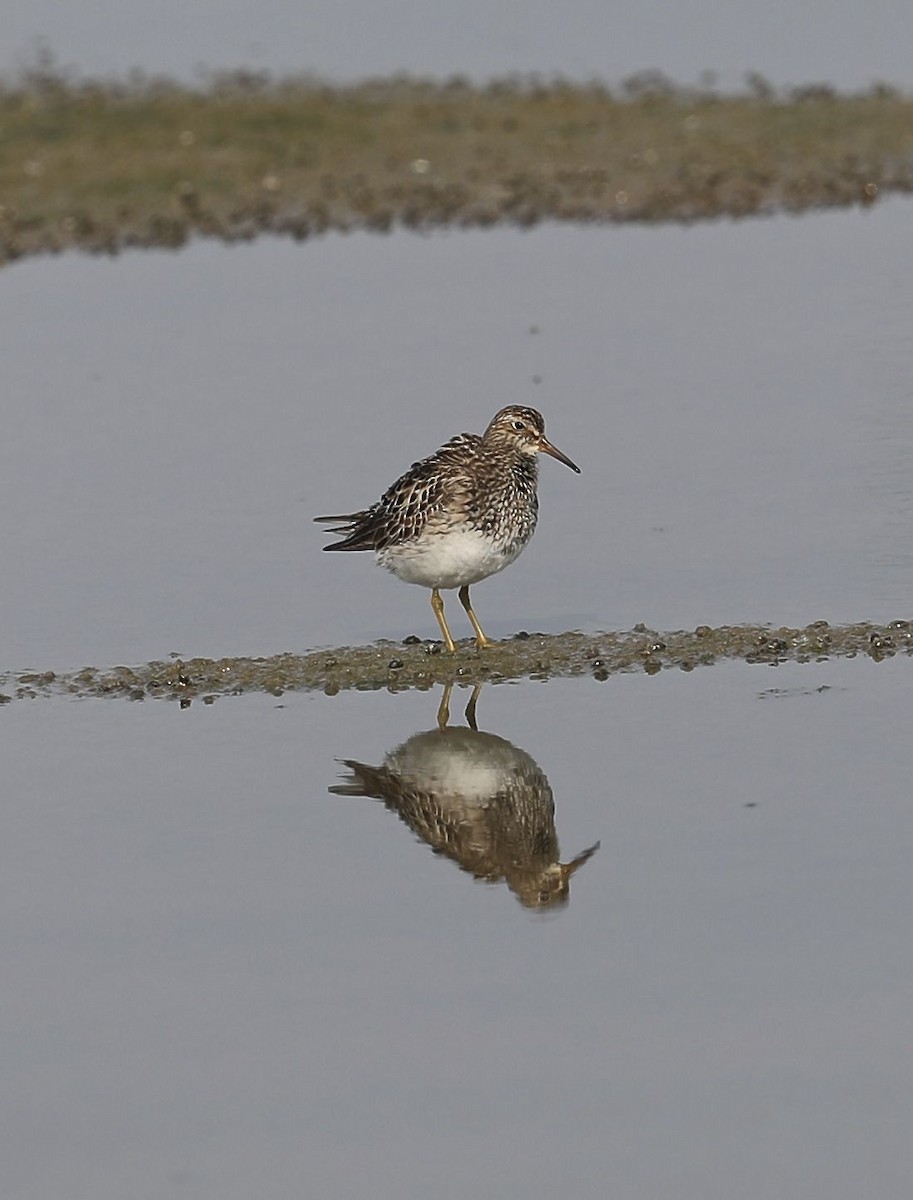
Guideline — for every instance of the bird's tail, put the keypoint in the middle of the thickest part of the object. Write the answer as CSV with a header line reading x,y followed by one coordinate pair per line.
x,y
357,535
364,781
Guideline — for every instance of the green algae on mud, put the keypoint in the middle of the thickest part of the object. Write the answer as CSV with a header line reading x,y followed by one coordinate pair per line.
x,y
414,664
104,166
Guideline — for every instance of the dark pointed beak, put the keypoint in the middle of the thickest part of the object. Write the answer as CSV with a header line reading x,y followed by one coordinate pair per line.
x,y
546,447
575,864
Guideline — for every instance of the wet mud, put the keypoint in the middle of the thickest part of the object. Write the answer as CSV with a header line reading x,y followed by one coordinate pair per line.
x,y
416,664
106,166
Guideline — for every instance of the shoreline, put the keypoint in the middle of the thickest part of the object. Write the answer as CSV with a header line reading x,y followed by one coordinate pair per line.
x,y
104,167
420,665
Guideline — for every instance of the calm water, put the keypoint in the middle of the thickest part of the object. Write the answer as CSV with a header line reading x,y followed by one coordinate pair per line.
x,y
737,395
221,980
581,39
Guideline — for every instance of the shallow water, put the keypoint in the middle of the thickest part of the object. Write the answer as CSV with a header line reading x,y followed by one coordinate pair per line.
x,y
220,979
581,40
737,396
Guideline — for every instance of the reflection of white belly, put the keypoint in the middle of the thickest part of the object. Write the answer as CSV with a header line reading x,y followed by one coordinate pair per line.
x,y
448,560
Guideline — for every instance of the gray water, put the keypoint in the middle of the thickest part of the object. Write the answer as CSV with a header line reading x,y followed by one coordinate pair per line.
x,y
841,43
220,980
737,396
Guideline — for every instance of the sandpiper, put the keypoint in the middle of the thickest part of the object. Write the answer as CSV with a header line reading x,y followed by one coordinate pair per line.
x,y
478,800
460,515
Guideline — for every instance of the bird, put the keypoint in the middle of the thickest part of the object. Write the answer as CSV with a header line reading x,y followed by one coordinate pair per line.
x,y
461,514
478,800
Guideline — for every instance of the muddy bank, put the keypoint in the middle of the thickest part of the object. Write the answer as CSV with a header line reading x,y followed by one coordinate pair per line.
x,y
105,166
396,666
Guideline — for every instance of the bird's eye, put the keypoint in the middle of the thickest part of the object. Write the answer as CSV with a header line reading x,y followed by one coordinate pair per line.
x,y
519,425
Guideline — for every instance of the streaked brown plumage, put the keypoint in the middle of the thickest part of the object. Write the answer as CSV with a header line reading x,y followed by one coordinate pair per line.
x,y
478,800
459,515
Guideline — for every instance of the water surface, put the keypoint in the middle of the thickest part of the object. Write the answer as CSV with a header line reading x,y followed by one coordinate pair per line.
x,y
580,40
222,979
737,396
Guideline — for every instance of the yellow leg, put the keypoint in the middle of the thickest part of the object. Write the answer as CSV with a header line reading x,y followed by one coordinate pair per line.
x,y
481,639
443,712
443,709
438,605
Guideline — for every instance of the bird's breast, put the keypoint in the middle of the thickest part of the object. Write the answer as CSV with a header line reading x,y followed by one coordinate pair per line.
x,y
452,559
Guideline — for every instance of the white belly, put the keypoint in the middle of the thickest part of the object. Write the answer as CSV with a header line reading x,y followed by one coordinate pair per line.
x,y
448,560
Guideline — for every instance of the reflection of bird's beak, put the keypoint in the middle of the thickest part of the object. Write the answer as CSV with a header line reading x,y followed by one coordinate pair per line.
x,y
568,869
546,447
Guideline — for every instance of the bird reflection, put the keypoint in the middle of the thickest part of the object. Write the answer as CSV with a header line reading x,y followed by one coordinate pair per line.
x,y
477,799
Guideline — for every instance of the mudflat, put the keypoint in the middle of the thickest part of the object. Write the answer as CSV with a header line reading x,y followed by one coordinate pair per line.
x,y
106,165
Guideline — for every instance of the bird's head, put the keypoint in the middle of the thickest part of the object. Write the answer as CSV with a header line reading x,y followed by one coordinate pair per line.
x,y
524,430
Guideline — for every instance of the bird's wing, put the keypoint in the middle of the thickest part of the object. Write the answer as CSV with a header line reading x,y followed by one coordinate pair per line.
x,y
421,495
